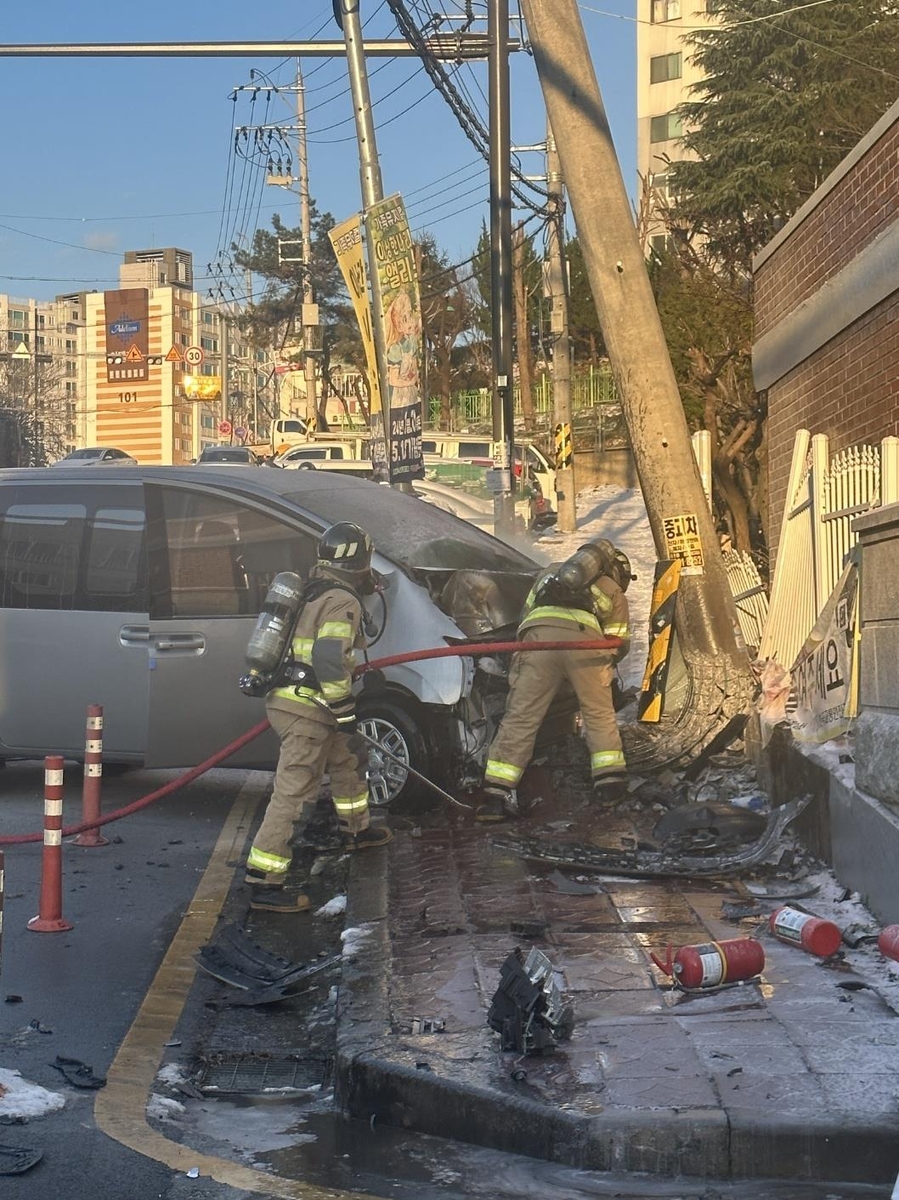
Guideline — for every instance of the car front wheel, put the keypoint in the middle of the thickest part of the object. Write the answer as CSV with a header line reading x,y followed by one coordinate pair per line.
x,y
400,744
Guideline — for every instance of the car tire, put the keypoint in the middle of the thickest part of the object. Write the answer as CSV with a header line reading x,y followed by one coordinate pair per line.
x,y
393,726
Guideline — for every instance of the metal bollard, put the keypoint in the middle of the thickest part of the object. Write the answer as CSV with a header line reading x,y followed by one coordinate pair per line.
x,y
50,918
93,777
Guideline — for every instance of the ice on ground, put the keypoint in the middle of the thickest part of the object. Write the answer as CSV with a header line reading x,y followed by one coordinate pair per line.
x,y
335,906
171,1074
20,1098
619,515
163,1108
354,938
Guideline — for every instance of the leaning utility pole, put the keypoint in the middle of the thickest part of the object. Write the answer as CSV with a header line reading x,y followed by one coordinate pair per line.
x,y
706,622
566,495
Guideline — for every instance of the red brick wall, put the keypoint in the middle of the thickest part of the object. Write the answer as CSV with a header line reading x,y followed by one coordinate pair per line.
x,y
862,205
848,389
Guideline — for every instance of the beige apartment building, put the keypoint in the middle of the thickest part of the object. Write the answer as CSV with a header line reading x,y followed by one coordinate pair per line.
x,y
665,75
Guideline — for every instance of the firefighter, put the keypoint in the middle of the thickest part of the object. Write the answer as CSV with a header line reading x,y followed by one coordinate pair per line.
x,y
581,599
312,709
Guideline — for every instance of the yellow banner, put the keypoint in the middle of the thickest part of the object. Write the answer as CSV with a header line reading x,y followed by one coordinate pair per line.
x,y
203,387
347,242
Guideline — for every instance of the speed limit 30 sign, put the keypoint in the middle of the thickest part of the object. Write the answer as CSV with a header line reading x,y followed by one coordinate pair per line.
x,y
193,356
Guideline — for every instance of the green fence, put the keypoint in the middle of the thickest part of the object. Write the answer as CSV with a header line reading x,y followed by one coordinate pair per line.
x,y
597,418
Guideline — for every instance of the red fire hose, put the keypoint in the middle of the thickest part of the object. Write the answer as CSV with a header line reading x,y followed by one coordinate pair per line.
x,y
461,650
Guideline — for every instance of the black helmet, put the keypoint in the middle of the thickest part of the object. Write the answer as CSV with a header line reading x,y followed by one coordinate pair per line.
x,y
621,567
345,547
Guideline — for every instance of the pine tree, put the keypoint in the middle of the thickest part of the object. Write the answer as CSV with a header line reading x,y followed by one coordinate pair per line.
x,y
785,96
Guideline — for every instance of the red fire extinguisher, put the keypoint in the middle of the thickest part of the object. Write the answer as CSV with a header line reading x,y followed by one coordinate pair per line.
x,y
888,942
813,934
713,963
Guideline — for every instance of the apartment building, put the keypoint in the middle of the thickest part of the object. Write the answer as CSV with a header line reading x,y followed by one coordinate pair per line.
x,y
41,356
665,75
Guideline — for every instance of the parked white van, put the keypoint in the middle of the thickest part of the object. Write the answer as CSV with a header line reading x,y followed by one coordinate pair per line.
x,y
475,448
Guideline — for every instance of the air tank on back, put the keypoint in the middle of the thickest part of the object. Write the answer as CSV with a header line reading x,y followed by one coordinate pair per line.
x,y
270,638
586,565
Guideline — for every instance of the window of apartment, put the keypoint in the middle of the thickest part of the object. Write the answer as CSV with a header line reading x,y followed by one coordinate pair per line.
x,y
209,343
665,10
70,346
664,67
666,127
16,318
208,318
661,242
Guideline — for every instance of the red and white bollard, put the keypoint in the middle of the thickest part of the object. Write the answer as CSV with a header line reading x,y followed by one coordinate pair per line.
x,y
50,918
93,777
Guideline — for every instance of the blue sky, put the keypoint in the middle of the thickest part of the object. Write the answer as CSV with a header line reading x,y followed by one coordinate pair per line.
x,y
107,155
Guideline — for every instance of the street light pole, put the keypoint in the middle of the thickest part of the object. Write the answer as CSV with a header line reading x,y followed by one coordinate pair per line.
x,y
306,233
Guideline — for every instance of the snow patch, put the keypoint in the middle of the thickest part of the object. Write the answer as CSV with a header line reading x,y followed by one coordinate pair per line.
x,y
355,938
333,908
20,1098
171,1074
163,1108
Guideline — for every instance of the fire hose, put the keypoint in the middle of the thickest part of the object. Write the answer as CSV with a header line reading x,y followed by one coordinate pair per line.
x,y
459,650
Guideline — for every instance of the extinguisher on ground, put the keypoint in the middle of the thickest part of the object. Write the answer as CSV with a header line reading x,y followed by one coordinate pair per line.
x,y
813,934
711,964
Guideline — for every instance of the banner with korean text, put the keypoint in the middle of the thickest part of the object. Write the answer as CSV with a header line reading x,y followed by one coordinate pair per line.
x,y
394,255
822,702
346,239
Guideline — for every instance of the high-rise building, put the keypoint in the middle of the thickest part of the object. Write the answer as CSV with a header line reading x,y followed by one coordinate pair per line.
x,y
665,75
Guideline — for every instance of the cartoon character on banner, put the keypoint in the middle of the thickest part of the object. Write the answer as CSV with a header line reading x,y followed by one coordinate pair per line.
x,y
402,338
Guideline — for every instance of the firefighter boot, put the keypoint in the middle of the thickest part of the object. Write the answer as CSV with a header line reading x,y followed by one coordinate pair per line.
x,y
610,789
500,802
367,839
268,894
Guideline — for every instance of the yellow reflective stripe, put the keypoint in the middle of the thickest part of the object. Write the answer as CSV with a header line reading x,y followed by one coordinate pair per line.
x,y
602,601
503,772
576,616
602,759
272,864
302,648
302,696
356,804
621,631
335,691
336,629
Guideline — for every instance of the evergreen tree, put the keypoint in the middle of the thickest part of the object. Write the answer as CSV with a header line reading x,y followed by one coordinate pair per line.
x,y
785,95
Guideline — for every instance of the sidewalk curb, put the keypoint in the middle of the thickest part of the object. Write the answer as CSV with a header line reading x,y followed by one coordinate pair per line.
x,y
704,1142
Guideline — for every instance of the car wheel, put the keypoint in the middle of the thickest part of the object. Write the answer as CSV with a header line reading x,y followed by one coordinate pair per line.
x,y
394,728
306,466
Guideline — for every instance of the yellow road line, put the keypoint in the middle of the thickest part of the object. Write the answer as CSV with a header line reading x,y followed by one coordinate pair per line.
x,y
120,1109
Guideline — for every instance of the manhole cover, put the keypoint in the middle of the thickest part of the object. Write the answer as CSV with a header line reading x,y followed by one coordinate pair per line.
x,y
251,1076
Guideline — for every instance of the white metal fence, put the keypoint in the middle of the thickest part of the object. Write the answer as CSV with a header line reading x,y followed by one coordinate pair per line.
x,y
824,495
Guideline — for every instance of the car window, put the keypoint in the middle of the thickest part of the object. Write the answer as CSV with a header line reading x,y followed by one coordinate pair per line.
x,y
429,447
409,532
73,548
475,450
321,452
214,556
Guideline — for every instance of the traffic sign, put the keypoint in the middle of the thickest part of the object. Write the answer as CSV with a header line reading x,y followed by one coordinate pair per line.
x,y
224,426
134,354
240,432
193,356
174,355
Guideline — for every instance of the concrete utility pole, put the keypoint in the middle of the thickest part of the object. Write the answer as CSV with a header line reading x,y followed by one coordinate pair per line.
x,y
566,493
306,233
682,526
501,264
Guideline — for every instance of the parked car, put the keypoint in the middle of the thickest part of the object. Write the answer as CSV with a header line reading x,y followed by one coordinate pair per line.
x,y
91,456
442,451
310,453
138,589
231,455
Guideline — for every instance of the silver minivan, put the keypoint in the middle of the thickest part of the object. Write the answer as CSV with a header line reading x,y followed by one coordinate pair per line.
x,y
138,590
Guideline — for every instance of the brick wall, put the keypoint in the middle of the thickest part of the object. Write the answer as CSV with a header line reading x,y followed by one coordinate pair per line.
x,y
863,203
849,388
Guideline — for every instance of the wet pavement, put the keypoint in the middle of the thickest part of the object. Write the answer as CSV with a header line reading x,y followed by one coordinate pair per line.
x,y
793,1075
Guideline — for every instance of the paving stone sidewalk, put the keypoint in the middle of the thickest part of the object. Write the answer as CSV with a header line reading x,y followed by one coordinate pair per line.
x,y
791,1076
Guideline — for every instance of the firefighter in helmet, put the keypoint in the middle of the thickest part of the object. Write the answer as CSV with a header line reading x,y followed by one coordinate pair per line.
x,y
313,711
581,599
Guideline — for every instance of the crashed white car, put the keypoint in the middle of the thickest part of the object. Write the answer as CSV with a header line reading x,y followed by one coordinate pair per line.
x,y
153,577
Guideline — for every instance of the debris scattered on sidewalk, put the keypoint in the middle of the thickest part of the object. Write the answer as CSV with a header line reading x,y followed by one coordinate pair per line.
x,y
37,1027
77,1073
263,977
12,998
571,887
527,1009
15,1160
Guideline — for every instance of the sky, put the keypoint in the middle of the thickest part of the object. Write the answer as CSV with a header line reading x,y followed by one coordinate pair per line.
x,y
106,155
